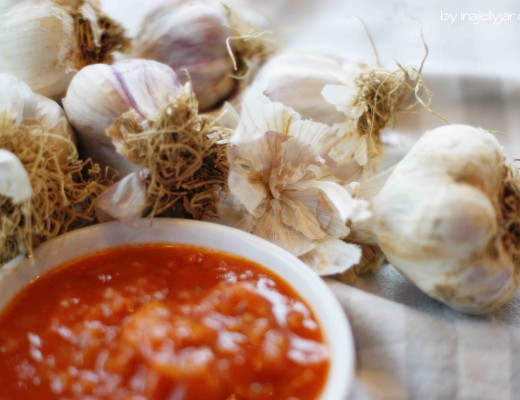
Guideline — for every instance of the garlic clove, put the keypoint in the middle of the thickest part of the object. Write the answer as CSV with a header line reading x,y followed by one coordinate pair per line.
x,y
14,180
15,95
45,44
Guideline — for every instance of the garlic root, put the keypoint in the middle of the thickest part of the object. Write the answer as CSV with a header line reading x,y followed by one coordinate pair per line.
x,y
448,218
54,191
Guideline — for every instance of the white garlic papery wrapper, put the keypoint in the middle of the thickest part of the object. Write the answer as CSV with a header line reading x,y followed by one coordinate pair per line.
x,y
281,189
44,44
14,180
191,36
99,94
19,105
298,79
447,218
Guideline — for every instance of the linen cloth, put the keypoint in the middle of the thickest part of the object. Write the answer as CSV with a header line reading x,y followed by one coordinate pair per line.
x,y
407,345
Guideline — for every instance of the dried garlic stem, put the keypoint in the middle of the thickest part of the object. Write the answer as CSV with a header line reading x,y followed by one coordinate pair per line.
x,y
185,154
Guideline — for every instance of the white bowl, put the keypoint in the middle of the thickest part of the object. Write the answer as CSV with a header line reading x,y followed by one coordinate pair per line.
x,y
16,275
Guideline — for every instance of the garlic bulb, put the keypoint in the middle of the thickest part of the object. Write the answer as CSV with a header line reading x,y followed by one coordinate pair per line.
x,y
19,105
45,189
447,217
193,36
133,116
45,44
284,190
340,90
100,94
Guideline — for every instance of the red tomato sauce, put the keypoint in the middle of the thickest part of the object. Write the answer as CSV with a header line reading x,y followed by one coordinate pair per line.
x,y
160,322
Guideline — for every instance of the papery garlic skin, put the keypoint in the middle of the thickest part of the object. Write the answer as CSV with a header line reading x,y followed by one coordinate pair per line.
x,y
325,89
44,44
439,219
32,38
298,79
208,43
99,94
283,189
124,200
191,36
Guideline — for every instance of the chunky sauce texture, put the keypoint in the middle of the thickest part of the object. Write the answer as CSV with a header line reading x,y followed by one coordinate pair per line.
x,y
160,322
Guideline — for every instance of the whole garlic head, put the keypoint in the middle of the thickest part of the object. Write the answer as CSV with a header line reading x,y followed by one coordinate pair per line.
x,y
19,105
447,218
44,44
99,94
191,37
197,37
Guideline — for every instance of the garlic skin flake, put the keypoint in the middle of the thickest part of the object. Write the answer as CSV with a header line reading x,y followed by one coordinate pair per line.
x,y
287,193
14,180
44,44
447,217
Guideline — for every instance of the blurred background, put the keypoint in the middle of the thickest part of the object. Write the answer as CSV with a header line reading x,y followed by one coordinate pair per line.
x,y
473,66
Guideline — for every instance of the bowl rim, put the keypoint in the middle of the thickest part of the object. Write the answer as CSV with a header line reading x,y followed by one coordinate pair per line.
x,y
21,271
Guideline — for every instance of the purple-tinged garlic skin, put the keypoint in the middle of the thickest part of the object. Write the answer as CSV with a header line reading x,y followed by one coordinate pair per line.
x,y
191,38
99,94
